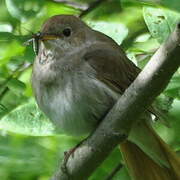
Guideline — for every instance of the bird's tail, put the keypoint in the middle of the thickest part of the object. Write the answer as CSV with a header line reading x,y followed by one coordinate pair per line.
x,y
140,162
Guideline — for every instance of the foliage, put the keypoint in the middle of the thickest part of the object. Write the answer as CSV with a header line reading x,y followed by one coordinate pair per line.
x,y
29,145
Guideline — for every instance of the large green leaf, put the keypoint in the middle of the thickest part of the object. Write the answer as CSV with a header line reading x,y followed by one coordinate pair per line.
x,y
156,22
27,119
160,21
116,31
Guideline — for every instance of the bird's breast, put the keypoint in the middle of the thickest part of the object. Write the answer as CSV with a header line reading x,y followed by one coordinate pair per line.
x,y
77,103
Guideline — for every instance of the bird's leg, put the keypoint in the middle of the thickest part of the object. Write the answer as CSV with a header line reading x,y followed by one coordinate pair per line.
x,y
69,153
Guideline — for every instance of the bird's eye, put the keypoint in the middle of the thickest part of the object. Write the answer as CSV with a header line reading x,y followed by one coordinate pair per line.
x,y
67,32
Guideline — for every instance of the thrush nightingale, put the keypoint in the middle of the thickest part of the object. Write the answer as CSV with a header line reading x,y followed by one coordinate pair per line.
x,y
77,77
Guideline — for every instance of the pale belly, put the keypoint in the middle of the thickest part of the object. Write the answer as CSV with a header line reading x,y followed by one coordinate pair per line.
x,y
78,107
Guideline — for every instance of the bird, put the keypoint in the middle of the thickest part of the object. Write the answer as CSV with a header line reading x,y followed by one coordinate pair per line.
x,y
78,75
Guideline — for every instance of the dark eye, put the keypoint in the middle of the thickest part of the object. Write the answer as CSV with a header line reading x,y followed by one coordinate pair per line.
x,y
67,32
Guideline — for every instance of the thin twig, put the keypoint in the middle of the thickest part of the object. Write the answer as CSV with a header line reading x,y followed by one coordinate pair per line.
x,y
76,5
91,7
114,172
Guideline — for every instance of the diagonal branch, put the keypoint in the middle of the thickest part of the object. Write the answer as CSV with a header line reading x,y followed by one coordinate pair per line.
x,y
116,126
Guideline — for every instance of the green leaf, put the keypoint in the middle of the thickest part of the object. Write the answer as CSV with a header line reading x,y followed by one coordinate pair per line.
x,y
53,9
2,108
16,85
173,88
156,22
160,21
27,119
6,36
9,50
5,28
18,9
174,119
14,9
172,4
116,31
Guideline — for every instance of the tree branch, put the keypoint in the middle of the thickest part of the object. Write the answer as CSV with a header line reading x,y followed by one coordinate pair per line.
x,y
116,126
91,7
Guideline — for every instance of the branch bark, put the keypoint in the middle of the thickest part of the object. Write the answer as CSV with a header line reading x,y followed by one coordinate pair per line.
x,y
116,126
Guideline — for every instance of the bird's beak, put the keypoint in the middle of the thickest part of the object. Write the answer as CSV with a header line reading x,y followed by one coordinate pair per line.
x,y
49,37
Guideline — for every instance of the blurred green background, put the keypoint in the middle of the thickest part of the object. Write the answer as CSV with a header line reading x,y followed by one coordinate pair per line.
x,y
30,148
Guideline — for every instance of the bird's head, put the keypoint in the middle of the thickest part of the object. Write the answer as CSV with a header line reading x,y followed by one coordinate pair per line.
x,y
64,31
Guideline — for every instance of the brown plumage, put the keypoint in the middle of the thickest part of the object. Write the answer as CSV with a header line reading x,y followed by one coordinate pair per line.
x,y
78,75
142,167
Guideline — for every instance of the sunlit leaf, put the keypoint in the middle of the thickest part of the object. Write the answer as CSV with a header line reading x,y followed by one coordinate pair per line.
x,y
27,119
116,31
160,21
5,28
9,50
54,9
156,22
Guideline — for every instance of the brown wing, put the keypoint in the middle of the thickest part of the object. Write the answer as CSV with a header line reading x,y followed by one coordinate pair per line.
x,y
113,68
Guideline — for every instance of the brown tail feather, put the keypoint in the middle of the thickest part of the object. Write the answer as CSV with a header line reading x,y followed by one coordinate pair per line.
x,y
142,167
